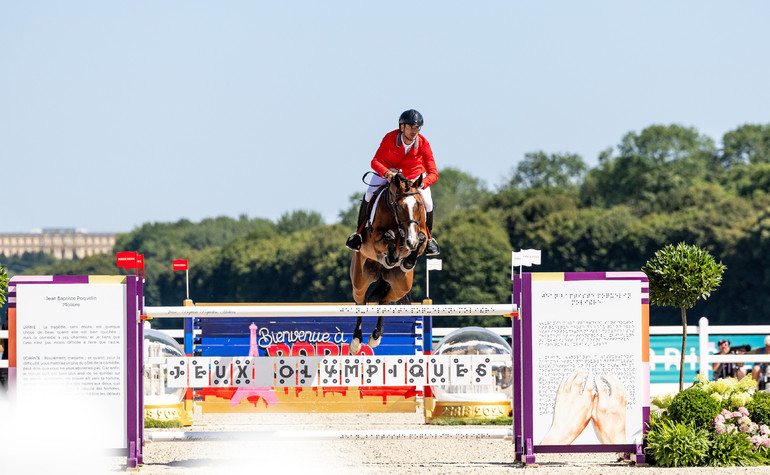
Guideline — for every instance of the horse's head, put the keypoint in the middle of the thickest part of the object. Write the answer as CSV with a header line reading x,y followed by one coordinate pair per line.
x,y
409,211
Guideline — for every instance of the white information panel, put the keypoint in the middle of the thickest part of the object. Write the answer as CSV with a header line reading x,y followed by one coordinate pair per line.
x,y
587,344
71,351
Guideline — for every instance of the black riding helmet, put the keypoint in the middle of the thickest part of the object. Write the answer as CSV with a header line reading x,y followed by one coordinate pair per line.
x,y
411,117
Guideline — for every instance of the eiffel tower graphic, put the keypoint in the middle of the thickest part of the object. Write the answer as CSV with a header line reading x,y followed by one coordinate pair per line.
x,y
267,394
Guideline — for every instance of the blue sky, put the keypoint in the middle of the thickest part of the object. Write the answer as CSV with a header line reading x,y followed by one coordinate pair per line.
x,y
113,114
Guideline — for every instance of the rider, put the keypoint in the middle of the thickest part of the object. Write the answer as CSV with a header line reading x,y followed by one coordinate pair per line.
x,y
407,151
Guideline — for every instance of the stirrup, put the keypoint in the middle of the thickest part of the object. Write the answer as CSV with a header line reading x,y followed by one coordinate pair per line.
x,y
354,242
431,249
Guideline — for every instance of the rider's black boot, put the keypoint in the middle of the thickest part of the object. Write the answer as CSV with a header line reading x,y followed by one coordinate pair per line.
x,y
431,249
355,240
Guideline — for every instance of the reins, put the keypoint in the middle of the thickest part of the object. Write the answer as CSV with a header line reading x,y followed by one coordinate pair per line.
x,y
392,203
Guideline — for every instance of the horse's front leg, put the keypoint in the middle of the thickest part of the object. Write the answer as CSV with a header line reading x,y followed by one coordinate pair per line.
x,y
391,255
409,261
358,337
376,337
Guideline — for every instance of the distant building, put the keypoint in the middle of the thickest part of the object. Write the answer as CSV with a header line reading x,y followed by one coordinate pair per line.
x,y
61,243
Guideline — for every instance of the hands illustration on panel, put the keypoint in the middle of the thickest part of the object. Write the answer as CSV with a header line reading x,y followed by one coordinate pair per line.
x,y
576,405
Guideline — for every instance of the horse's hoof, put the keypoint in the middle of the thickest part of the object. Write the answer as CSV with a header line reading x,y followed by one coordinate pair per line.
x,y
374,342
354,347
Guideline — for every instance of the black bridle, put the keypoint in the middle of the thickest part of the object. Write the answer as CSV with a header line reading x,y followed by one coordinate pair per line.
x,y
392,203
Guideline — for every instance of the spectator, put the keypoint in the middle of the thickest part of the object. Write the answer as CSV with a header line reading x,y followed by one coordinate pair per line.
x,y
760,370
727,370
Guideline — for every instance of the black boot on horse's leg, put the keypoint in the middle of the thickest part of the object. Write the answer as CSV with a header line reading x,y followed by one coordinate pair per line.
x,y
358,337
431,249
355,240
374,340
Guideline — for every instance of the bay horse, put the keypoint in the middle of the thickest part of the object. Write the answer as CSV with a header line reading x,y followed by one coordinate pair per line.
x,y
389,250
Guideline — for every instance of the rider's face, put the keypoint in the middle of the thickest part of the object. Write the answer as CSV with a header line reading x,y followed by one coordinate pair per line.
x,y
410,132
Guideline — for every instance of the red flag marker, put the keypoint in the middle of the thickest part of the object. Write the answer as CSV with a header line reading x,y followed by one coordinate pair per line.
x,y
126,259
181,264
140,264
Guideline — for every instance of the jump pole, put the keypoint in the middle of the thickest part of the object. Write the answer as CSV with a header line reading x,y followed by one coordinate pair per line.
x,y
226,311
347,310
192,436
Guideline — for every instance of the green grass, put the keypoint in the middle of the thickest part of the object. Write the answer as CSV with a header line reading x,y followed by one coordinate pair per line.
x,y
155,424
456,421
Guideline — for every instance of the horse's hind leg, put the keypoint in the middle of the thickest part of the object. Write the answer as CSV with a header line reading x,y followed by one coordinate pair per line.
x,y
398,294
361,279
358,337
376,337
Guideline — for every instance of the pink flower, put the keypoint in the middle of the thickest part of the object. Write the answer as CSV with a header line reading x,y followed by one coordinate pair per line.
x,y
737,415
764,430
743,411
726,413
744,421
720,428
720,419
765,442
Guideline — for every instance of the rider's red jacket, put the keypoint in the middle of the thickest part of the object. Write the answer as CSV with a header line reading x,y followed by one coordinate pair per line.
x,y
419,160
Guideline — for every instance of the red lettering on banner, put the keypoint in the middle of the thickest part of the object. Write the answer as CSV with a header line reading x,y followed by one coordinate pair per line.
x,y
365,350
327,349
279,349
302,348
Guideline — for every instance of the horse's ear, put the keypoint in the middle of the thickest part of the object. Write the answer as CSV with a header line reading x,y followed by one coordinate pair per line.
x,y
417,183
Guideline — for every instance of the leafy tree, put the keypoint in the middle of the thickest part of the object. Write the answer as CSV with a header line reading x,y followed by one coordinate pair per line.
x,y
162,242
672,143
99,264
3,284
456,190
542,171
18,264
748,144
751,180
679,276
476,259
305,266
349,216
657,160
506,198
298,221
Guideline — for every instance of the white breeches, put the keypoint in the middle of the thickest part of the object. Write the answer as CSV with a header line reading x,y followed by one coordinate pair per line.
x,y
377,180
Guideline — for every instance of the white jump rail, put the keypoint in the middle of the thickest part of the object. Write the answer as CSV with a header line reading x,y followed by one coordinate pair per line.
x,y
227,311
226,436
